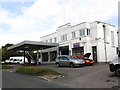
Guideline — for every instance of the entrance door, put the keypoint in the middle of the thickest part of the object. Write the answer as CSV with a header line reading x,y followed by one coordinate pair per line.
x,y
94,51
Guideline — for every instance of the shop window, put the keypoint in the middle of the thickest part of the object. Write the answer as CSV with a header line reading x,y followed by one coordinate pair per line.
x,y
78,51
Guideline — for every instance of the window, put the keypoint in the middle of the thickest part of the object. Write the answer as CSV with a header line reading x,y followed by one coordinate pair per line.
x,y
51,40
55,39
112,38
65,58
82,32
61,58
64,37
73,34
88,31
58,58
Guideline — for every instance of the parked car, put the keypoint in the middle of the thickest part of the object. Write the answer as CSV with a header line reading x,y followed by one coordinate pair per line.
x,y
114,65
86,59
64,60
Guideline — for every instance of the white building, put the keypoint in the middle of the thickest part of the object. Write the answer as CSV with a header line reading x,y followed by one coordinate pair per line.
x,y
98,38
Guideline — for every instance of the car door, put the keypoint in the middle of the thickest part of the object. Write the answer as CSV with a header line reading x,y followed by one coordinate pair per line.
x,y
66,61
61,60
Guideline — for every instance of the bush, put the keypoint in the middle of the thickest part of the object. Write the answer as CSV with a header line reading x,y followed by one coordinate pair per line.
x,y
6,67
37,71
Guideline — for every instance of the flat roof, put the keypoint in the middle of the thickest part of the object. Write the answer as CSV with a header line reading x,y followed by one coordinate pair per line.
x,y
32,45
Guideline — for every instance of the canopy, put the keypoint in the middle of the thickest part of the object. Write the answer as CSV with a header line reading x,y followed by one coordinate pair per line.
x,y
32,46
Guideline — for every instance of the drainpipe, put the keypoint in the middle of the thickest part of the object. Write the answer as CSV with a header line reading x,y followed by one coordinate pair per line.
x,y
105,43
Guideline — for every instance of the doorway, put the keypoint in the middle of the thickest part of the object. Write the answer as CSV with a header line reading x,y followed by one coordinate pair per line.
x,y
94,51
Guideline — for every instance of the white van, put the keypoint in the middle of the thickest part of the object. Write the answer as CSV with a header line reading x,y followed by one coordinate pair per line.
x,y
18,60
114,65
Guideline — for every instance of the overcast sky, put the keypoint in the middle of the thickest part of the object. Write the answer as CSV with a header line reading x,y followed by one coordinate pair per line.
x,y
30,19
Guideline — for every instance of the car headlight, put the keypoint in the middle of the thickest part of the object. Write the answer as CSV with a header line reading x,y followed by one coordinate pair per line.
x,y
81,61
87,60
76,62
110,62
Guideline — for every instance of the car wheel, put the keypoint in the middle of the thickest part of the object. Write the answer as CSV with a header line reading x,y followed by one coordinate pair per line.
x,y
71,65
117,71
57,64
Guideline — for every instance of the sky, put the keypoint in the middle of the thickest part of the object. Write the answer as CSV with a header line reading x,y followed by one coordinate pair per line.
x,y
31,19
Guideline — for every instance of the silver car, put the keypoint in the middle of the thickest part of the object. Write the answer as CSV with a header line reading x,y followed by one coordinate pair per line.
x,y
64,60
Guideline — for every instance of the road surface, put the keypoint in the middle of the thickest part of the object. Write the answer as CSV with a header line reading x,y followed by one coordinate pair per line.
x,y
15,80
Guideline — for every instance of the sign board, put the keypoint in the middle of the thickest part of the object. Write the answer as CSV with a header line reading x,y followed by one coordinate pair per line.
x,y
76,45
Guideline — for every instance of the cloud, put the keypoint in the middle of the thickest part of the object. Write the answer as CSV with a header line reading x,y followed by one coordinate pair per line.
x,y
44,17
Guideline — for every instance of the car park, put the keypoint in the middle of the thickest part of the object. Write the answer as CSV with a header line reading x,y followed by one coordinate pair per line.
x,y
64,60
86,59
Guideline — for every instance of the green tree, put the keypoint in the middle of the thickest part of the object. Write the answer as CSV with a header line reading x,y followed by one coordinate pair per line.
x,y
8,53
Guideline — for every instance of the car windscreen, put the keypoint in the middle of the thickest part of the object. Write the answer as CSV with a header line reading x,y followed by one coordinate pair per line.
x,y
86,58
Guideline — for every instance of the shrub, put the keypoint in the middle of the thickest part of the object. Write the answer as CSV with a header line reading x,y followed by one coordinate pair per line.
x,y
6,67
37,71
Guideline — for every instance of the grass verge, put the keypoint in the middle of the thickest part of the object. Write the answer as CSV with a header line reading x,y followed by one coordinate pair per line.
x,y
6,67
37,71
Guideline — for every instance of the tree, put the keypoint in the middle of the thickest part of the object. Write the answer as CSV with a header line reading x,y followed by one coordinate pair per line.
x,y
8,53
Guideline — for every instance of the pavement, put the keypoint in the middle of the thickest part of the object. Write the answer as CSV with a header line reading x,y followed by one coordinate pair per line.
x,y
96,76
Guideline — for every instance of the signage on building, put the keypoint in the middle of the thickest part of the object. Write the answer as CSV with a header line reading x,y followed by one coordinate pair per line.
x,y
76,44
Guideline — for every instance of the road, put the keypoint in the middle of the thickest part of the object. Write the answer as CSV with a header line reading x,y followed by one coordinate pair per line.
x,y
14,80
96,76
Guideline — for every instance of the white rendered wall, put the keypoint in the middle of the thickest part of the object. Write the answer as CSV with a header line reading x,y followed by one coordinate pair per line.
x,y
96,38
